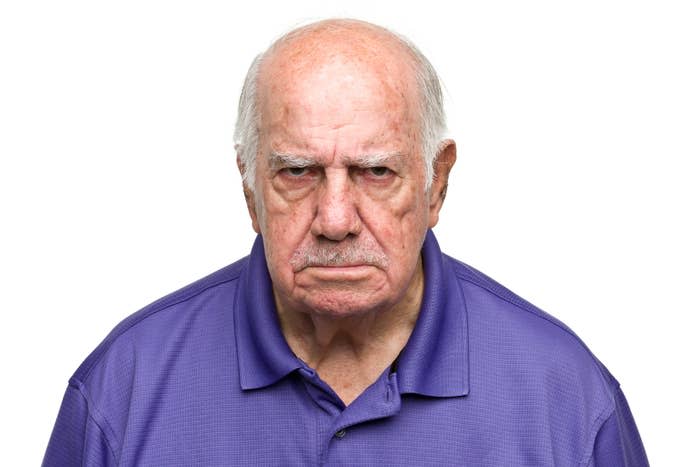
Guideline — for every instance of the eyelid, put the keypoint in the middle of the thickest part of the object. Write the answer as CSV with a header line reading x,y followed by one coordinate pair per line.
x,y
368,173
306,170
388,170
288,169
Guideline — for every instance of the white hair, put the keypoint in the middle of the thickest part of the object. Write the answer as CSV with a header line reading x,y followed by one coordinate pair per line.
x,y
246,134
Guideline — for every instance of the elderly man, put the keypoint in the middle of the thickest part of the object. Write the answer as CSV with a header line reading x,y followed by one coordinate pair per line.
x,y
346,337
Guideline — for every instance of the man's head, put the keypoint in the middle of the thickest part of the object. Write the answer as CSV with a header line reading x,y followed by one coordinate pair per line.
x,y
339,147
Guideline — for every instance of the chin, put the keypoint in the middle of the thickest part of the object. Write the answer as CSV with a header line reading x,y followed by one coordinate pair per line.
x,y
341,304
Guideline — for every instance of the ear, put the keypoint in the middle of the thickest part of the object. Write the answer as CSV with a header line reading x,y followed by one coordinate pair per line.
x,y
249,198
447,154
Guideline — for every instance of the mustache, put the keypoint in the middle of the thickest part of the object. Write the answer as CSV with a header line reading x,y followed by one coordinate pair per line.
x,y
340,254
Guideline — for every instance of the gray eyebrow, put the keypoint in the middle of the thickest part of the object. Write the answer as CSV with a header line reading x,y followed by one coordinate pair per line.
x,y
277,160
372,160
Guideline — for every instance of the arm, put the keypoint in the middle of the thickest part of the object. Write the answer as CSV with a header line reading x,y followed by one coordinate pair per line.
x,y
77,440
618,443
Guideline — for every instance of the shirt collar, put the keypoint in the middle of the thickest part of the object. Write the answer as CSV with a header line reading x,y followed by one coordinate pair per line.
x,y
433,363
264,357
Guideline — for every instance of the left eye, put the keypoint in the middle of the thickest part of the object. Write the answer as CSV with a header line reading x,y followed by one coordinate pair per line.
x,y
379,171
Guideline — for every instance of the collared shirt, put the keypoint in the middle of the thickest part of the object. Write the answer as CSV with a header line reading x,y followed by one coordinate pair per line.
x,y
204,377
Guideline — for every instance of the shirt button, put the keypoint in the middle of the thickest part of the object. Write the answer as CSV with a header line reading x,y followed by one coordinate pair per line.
x,y
340,434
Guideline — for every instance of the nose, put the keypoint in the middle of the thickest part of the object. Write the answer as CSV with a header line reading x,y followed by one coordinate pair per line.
x,y
336,211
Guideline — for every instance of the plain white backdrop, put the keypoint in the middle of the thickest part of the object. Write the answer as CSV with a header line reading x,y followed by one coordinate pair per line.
x,y
576,185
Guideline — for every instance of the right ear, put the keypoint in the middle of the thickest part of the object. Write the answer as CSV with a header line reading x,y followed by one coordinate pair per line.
x,y
249,198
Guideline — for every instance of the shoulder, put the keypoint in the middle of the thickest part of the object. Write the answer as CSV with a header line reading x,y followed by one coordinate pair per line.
x,y
156,324
161,350
512,331
523,358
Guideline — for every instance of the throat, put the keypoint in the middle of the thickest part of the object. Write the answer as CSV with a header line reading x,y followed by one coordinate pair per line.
x,y
351,352
350,379
349,365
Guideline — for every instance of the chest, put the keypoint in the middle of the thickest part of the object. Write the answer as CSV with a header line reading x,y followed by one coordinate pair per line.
x,y
295,423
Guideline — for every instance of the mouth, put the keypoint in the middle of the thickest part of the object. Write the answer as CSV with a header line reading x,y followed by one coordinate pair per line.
x,y
341,272
335,265
338,257
338,265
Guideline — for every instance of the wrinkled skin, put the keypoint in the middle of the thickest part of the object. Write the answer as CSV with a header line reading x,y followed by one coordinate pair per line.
x,y
340,198
333,109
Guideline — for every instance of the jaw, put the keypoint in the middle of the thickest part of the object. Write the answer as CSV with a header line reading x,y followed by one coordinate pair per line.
x,y
322,316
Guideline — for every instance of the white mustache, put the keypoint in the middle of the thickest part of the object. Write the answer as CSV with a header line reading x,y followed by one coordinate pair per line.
x,y
352,254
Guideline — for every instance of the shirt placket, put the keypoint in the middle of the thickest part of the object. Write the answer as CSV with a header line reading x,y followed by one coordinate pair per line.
x,y
337,422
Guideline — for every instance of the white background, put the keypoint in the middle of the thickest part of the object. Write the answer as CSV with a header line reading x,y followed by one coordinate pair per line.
x,y
576,184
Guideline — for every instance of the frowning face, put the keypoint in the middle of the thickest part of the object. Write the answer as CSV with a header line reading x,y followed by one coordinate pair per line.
x,y
340,195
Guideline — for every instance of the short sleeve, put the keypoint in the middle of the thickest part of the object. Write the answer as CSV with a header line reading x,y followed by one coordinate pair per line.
x,y
76,439
618,443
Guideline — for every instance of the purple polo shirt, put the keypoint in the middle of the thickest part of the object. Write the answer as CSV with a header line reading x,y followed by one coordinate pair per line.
x,y
204,377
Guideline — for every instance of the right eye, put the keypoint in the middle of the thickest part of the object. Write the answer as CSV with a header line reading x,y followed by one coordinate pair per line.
x,y
296,171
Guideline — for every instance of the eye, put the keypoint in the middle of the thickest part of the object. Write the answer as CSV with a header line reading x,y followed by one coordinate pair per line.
x,y
379,172
295,171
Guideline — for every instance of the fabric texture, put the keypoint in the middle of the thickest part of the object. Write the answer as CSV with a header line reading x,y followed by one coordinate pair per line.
x,y
204,377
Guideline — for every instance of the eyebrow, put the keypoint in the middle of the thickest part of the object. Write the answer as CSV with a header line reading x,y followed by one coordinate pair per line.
x,y
372,160
278,160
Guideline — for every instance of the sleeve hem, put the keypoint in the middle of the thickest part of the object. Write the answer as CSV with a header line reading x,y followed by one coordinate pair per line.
x,y
96,417
598,425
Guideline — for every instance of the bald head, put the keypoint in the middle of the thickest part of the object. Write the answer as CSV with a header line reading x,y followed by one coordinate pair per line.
x,y
328,59
362,43
342,35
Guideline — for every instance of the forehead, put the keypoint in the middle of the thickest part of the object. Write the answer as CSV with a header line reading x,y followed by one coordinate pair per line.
x,y
338,91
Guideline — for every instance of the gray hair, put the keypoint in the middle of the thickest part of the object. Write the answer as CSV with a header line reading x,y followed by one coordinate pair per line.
x,y
246,134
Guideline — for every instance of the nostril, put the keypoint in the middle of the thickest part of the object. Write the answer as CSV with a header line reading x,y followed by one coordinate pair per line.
x,y
324,239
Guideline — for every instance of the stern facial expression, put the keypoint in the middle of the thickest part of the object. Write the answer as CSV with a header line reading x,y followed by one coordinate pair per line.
x,y
340,195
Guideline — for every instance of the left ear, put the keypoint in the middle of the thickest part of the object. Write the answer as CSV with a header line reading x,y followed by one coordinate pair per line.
x,y
447,154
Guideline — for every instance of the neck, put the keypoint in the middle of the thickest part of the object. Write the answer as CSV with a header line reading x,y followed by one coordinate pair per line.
x,y
349,353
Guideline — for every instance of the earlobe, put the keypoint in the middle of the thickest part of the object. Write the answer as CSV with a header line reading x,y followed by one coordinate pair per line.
x,y
444,161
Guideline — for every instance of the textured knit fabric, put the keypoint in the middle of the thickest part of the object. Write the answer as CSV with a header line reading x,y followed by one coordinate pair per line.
x,y
204,377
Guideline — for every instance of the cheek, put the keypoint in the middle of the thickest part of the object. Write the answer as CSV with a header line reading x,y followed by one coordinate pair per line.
x,y
399,225
284,225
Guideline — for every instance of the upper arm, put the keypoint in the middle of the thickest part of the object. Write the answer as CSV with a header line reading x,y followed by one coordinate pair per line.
x,y
77,440
618,442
